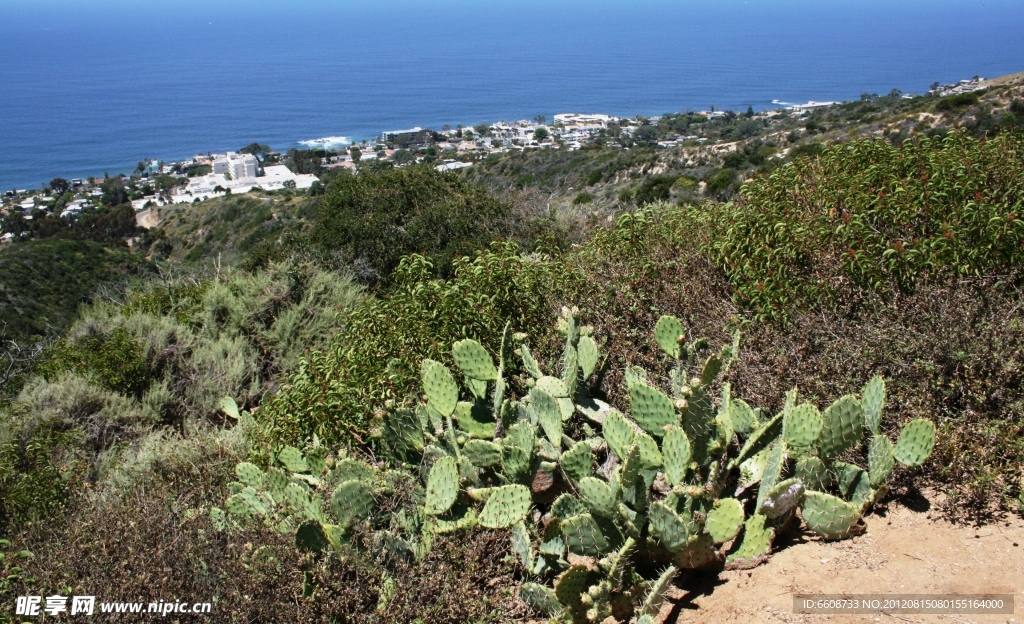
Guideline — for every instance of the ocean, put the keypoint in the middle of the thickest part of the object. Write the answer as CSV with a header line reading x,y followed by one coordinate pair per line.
x,y
88,87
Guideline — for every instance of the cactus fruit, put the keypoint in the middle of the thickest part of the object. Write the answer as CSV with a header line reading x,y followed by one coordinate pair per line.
x,y
619,434
584,536
669,334
754,544
598,496
829,516
548,415
813,473
725,520
916,442
801,426
291,458
872,398
482,453
880,460
540,599
842,427
577,463
675,451
473,360
587,354
442,486
659,588
439,386
782,499
652,410
506,506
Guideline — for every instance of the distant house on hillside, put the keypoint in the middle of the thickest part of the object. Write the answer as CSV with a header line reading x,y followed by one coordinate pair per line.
x,y
412,138
237,166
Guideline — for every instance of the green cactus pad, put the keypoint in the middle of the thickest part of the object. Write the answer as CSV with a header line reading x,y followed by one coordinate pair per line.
x,y
646,619
310,537
629,477
618,432
650,456
872,399
669,334
754,545
238,505
802,425
698,551
292,460
352,470
218,519
829,516
297,495
529,363
712,367
474,361
635,375
553,386
478,387
880,460
743,418
482,453
522,545
460,518
351,502
249,474
783,498
842,427
759,440
517,452
813,473
505,506
652,410
668,527
659,588
598,496
587,354
275,479
442,486
548,415
475,419
570,370
566,407
675,451
404,433
725,520
570,586
578,462
584,536
439,386
566,506
916,442
774,466
540,599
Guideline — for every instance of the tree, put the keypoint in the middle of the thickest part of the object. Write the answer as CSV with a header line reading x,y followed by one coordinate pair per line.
x,y
750,112
482,129
540,119
541,134
356,153
59,186
258,150
114,192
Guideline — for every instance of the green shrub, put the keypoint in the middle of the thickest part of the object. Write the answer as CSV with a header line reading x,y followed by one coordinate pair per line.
x,y
956,102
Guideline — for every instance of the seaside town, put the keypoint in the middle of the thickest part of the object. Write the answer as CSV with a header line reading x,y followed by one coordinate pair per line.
x,y
258,168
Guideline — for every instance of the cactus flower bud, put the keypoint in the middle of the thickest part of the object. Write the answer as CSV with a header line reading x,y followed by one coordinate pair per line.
x,y
681,404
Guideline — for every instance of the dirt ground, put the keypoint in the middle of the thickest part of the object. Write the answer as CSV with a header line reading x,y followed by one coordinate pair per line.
x,y
907,549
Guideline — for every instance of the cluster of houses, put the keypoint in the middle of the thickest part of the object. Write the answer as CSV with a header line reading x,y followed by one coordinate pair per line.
x,y
964,86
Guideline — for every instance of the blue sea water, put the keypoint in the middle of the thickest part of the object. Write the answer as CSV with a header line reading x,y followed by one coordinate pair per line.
x,y
94,86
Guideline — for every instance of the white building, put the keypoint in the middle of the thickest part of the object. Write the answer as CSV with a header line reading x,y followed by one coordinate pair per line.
x,y
237,166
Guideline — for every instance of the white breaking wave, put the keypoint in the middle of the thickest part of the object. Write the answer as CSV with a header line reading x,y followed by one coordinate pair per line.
x,y
330,142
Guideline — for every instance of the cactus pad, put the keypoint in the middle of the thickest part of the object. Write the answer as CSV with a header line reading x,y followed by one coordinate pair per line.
x,y
635,375
570,586
473,360
584,536
725,520
783,498
872,398
712,367
669,333
618,432
249,474
529,363
505,506
540,599
698,551
829,516
754,545
548,415
553,386
352,470
760,439
291,458
668,527
462,518
218,519
650,456
587,354
656,596
598,496
439,386
478,387
482,453
652,409
880,460
517,450
813,473
842,427
567,506
475,419
310,537
352,501
577,463
801,425
774,466
442,486
916,442
522,545
743,418
675,451
570,370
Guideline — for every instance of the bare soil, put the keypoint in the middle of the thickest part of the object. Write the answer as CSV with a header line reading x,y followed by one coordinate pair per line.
x,y
907,549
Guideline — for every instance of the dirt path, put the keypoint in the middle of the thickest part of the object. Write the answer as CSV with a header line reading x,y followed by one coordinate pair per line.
x,y
903,551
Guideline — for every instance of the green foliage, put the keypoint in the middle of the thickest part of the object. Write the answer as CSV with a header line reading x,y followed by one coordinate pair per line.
x,y
956,102
873,215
